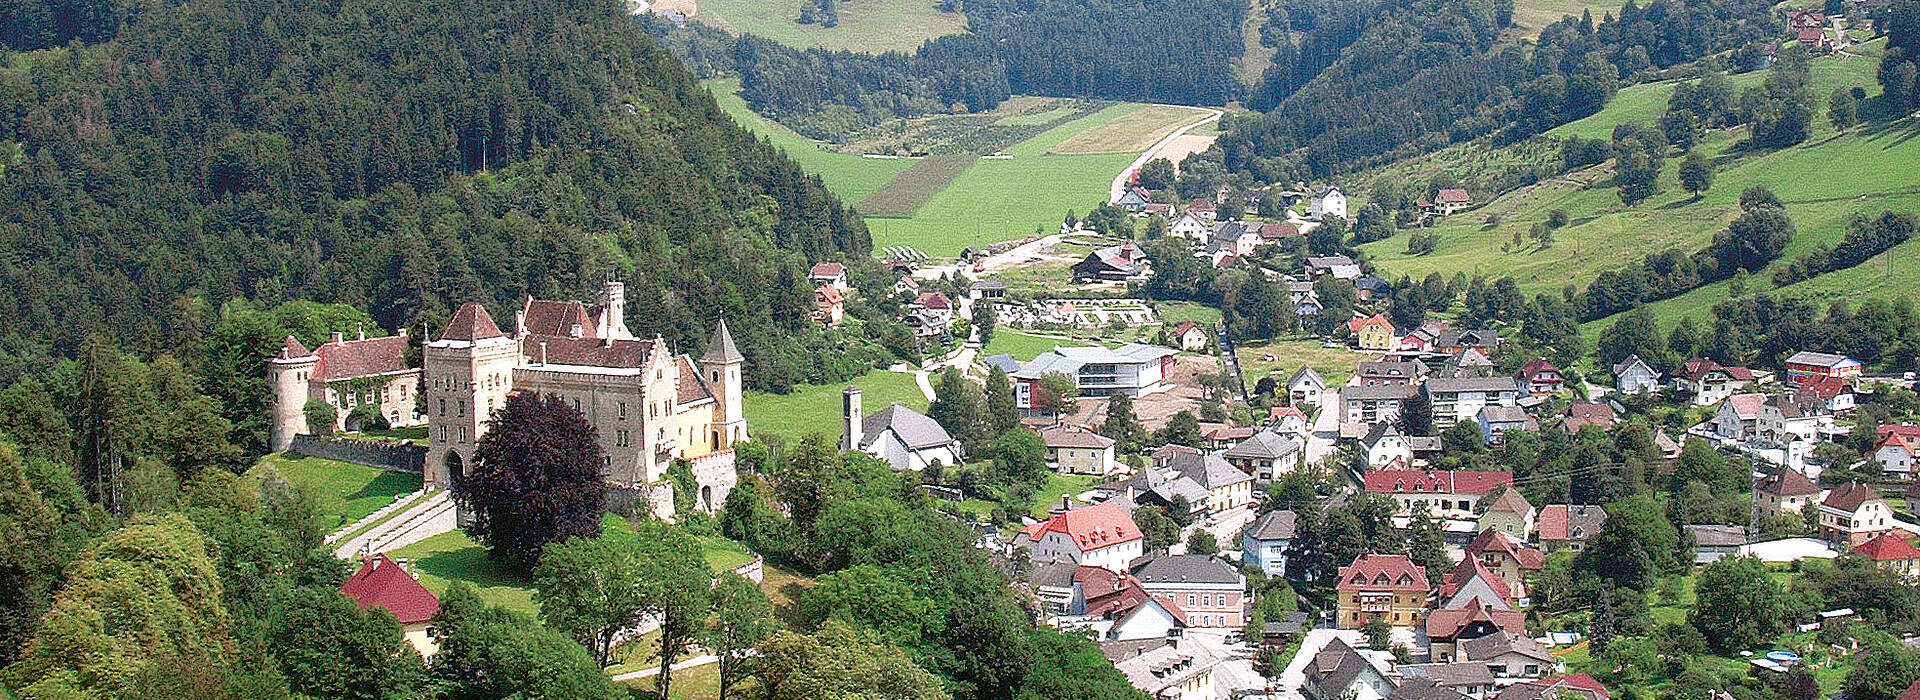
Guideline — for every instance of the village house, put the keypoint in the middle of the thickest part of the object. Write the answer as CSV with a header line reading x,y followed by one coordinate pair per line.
x,y
1540,377
1304,387
1191,227
1188,336
1385,586
1274,233
1288,420
1442,494
1118,263
1455,399
1807,364
1202,208
1575,686
1327,202
1164,670
1424,338
1118,608
1784,492
1134,200
1449,201
987,289
1507,557
1448,627
1340,672
648,405
1712,543
1370,287
1895,451
1581,414
1496,420
1853,513
1442,682
1227,488
1634,376
1099,535
1073,449
1472,581
1892,552
1708,382
1395,372
1208,590
1134,369
1385,445
1509,655
1739,416
831,274
345,374
1263,545
1787,418
1833,394
381,583
1375,404
1510,513
907,285
905,439
1568,527
1454,342
1266,455
1468,362
829,307
1337,266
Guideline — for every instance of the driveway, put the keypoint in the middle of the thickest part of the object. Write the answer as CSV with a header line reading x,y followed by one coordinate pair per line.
x,y
1326,428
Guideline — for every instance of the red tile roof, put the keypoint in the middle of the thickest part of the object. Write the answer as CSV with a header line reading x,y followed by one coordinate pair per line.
x,y
1849,496
1444,482
1884,430
933,300
1888,547
360,358
1581,681
1825,387
1455,196
292,349
1911,693
1468,569
1444,624
1273,232
827,269
1184,326
543,317
1558,520
1698,367
1089,527
1199,205
1279,412
1497,541
589,352
471,322
383,584
1383,572
1536,366
692,387
1787,482
1375,320
1074,436
828,294
1747,405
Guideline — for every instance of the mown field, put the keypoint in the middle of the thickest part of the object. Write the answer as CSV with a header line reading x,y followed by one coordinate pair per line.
x,y
1531,16
906,192
850,177
871,26
345,492
1824,181
816,408
1334,365
995,198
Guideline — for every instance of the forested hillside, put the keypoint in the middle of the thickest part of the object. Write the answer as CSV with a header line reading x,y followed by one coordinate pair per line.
x,y
1425,73
399,157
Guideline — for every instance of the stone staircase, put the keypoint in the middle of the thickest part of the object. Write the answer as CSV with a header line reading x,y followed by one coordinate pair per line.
x,y
416,520
399,503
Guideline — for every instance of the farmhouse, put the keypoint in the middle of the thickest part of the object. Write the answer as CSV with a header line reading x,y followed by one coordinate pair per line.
x,y
1326,202
1072,449
1134,200
832,274
1709,382
1853,513
1188,336
1805,365
1118,263
1451,200
1634,376
1372,333
1784,492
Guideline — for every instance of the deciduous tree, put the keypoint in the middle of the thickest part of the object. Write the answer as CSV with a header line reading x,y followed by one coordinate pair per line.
x,y
535,479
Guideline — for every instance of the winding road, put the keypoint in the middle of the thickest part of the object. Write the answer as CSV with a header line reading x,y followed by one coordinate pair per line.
x,y
1120,181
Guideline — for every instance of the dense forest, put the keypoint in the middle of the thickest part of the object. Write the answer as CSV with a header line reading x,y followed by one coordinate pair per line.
x,y
1425,73
1052,48
400,159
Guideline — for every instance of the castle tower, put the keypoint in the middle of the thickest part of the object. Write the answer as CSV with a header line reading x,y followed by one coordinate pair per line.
x,y
469,373
850,414
613,311
722,364
289,374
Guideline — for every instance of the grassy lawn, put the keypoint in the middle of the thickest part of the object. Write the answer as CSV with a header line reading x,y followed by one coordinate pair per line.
x,y
346,491
783,588
1173,313
1531,16
696,683
1334,365
1134,131
849,176
453,556
723,554
869,25
1022,346
1058,485
816,408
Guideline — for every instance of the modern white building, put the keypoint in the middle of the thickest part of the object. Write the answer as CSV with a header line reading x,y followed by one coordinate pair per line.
x,y
1134,369
1100,535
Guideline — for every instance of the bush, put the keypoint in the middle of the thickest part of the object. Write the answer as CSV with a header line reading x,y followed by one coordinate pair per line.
x,y
321,418
367,417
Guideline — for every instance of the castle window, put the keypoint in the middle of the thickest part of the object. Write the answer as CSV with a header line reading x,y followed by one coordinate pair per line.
x,y
443,407
463,433
623,410
716,376
460,407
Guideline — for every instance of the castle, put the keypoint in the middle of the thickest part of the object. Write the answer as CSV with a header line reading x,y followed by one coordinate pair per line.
x,y
346,374
649,405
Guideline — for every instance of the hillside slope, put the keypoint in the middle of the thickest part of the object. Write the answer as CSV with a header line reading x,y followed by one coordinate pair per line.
x,y
395,156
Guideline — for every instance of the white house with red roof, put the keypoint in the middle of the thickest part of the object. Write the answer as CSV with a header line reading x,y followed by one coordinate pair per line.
x,y
1448,627
1100,535
831,274
1894,454
1892,552
1288,420
1443,494
1832,393
1387,586
1541,377
382,583
1710,382
346,374
1853,513
829,305
1188,336
1509,558
1738,415
1119,607
1449,201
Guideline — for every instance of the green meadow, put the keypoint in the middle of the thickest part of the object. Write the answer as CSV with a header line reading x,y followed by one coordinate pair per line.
x,y
851,177
871,26
816,408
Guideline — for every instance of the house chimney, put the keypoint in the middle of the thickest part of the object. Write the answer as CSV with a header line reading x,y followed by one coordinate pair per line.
x,y
339,337
850,415
360,329
543,352
403,331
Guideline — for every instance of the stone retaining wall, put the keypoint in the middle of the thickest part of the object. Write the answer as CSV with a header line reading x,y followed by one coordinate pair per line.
x,y
392,456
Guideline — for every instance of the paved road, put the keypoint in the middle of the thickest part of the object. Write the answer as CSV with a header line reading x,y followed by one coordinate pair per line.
x,y
1120,181
1326,427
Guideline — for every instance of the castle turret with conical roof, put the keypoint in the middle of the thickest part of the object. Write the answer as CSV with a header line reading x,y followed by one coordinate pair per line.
x,y
721,364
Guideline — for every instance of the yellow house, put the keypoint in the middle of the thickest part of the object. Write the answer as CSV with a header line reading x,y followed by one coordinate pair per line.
x,y
1372,333
1893,553
1386,586
382,583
